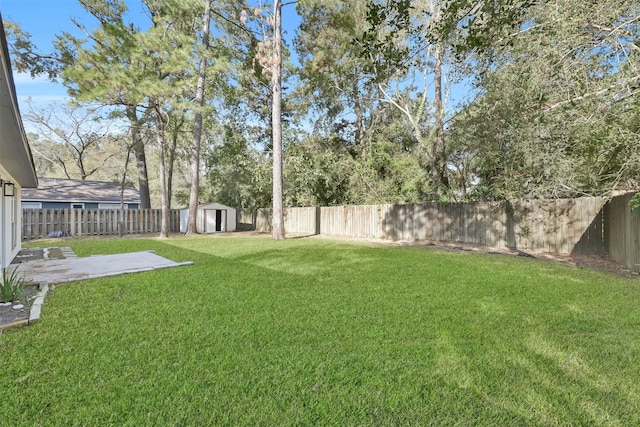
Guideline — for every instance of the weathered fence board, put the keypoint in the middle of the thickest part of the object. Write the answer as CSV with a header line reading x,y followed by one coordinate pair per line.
x,y
303,220
623,232
563,226
38,223
558,226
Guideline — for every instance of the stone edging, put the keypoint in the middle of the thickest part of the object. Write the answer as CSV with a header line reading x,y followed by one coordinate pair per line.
x,y
36,307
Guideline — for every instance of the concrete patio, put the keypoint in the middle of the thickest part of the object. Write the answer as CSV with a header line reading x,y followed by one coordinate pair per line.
x,y
51,266
69,268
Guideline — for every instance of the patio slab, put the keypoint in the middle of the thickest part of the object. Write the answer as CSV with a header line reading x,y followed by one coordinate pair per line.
x,y
72,269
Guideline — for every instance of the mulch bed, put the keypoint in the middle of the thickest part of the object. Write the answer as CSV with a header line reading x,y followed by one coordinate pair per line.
x,y
603,263
26,255
9,314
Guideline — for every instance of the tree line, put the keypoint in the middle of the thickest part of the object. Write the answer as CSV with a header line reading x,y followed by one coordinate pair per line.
x,y
360,103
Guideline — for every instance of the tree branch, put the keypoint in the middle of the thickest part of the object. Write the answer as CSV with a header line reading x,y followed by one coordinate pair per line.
x,y
592,94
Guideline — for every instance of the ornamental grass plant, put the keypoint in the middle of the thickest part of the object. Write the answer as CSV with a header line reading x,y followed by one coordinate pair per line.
x,y
11,287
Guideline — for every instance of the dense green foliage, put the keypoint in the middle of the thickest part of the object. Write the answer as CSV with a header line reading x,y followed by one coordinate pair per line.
x,y
315,332
557,111
554,112
372,106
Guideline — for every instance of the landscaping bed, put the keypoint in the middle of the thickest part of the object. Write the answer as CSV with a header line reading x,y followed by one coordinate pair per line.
x,y
10,315
17,313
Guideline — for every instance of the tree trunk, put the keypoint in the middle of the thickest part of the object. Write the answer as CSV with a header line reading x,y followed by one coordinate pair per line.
x,y
141,159
360,132
172,161
276,122
197,125
439,172
123,182
160,134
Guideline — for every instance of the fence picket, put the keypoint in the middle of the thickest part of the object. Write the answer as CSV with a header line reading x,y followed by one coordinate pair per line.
x,y
38,223
559,226
565,226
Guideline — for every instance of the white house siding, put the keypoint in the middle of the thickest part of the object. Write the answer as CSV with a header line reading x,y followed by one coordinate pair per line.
x,y
16,161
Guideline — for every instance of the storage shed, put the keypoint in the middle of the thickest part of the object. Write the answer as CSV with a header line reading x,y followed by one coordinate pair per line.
x,y
211,218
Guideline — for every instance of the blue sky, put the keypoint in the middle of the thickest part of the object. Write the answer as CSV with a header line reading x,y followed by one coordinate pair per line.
x,y
43,19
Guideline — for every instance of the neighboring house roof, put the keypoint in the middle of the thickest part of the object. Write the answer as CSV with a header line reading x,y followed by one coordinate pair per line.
x,y
78,191
15,153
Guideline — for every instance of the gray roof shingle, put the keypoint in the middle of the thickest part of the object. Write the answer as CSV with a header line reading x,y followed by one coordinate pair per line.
x,y
78,191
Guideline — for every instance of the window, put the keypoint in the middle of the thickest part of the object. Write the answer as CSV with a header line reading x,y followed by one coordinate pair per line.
x,y
77,205
31,205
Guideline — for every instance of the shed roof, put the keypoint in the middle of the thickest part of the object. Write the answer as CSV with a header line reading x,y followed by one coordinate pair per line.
x,y
210,205
214,205
78,191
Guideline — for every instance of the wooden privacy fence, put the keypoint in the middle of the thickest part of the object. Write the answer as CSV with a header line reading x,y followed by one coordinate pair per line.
x,y
296,220
560,226
38,223
563,226
623,232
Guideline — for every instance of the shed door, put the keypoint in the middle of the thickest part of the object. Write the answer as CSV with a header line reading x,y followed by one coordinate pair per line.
x,y
209,220
218,220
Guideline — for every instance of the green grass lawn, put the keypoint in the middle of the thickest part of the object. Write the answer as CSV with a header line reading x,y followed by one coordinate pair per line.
x,y
315,332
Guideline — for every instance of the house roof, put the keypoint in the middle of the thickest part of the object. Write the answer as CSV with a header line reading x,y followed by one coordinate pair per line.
x,y
77,191
15,154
